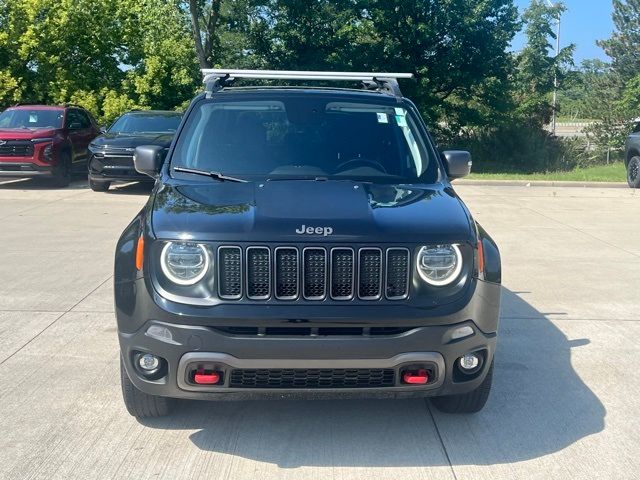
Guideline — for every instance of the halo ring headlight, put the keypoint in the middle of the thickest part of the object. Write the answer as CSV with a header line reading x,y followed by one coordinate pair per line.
x,y
439,265
184,263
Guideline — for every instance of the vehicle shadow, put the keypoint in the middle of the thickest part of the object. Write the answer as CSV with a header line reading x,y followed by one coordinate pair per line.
x,y
538,405
78,182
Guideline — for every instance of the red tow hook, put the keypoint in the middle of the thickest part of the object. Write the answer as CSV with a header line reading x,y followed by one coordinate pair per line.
x,y
203,377
415,377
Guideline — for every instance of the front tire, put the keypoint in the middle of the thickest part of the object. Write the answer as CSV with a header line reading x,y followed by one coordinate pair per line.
x,y
62,172
140,404
633,172
99,186
471,402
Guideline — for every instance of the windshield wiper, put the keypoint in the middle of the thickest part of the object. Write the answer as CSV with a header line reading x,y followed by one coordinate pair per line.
x,y
215,175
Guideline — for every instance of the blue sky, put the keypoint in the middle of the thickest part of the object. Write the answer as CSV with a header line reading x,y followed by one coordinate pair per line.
x,y
584,22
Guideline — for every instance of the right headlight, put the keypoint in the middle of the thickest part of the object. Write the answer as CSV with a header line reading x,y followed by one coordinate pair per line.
x,y
439,265
184,263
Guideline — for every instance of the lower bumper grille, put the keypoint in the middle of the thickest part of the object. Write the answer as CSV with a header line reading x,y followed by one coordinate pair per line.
x,y
315,331
114,160
312,378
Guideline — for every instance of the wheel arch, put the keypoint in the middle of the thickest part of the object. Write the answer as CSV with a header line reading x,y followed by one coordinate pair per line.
x,y
492,260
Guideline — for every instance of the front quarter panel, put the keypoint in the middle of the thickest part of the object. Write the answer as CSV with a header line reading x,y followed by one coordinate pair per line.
x,y
125,272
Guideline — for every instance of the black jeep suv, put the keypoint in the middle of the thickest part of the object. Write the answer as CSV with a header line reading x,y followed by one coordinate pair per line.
x,y
111,154
305,242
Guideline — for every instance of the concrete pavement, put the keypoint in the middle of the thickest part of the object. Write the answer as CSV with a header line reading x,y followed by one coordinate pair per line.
x,y
565,397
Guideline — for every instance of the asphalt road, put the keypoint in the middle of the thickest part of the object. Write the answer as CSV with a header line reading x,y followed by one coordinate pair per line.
x,y
564,406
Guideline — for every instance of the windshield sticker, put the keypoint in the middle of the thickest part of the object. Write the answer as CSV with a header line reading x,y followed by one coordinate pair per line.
x,y
32,118
383,118
401,120
400,111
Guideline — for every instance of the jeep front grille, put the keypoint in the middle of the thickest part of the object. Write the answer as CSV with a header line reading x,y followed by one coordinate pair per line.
x,y
342,273
286,273
397,285
313,273
230,272
370,273
258,273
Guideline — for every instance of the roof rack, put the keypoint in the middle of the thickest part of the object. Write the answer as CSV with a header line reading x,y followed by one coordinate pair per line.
x,y
216,79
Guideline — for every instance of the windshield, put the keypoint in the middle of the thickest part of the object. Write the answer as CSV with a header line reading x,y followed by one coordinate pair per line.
x,y
305,136
141,123
24,118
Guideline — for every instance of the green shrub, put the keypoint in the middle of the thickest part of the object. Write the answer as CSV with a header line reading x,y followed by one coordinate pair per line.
x,y
521,148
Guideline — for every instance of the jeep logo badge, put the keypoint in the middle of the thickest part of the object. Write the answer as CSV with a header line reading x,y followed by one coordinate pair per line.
x,y
304,230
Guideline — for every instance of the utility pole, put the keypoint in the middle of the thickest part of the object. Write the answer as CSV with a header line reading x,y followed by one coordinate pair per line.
x,y
555,74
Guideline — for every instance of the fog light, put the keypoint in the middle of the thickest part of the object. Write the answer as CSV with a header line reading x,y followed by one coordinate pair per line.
x,y
470,361
148,362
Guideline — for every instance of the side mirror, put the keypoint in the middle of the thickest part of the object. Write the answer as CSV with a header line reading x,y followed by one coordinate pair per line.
x,y
103,129
148,159
458,163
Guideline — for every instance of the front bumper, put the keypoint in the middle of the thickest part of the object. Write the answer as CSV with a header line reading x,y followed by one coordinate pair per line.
x,y
257,335
114,167
429,347
23,169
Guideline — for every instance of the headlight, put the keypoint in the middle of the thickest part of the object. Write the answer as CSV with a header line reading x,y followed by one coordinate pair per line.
x,y
184,263
42,140
439,265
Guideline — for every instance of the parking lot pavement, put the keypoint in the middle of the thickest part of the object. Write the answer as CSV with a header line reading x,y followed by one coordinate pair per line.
x,y
565,399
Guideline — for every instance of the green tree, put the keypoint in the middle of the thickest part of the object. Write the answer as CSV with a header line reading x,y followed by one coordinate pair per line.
x,y
162,70
622,98
538,69
624,43
456,48
218,31
51,48
590,91
107,56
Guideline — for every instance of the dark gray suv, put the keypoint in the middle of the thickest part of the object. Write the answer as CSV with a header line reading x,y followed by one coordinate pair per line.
x,y
305,242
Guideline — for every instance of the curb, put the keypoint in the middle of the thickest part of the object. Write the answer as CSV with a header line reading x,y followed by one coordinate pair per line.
x,y
540,183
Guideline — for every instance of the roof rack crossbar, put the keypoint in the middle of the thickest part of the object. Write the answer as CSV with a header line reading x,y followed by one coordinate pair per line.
x,y
307,75
218,78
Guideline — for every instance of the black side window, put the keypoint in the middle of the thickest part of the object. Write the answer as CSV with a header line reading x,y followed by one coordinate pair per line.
x,y
71,119
84,119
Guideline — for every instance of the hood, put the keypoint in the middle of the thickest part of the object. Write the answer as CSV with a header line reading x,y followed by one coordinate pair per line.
x,y
293,211
26,133
131,140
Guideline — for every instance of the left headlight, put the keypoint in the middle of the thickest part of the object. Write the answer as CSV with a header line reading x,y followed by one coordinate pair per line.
x,y
95,147
439,265
184,263
42,140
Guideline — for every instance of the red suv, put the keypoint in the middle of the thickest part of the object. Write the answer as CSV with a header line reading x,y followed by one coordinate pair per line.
x,y
40,140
